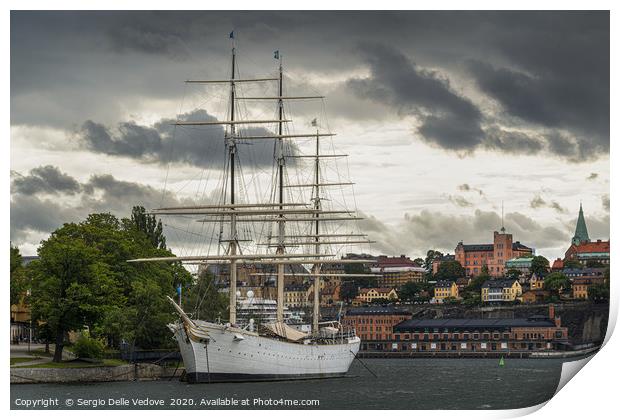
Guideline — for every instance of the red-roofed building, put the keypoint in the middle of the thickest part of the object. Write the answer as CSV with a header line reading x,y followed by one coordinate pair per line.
x,y
589,251
558,265
396,271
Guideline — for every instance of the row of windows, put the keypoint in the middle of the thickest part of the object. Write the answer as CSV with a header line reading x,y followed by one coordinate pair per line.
x,y
454,336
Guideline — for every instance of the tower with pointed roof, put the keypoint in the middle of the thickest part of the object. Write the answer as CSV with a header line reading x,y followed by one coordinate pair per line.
x,y
581,231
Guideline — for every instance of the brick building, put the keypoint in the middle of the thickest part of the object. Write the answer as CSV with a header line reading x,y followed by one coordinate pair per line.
x,y
375,322
494,255
479,335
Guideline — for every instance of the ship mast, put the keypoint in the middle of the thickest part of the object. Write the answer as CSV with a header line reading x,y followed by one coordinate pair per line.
x,y
317,246
232,148
280,249
279,211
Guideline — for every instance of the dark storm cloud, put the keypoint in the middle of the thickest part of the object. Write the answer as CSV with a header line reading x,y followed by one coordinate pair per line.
x,y
447,119
101,193
163,143
32,214
547,71
46,179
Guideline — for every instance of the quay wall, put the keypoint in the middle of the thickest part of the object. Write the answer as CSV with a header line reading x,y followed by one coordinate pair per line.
x,y
131,372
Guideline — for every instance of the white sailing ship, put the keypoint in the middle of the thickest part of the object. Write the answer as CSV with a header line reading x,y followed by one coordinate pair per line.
x,y
215,351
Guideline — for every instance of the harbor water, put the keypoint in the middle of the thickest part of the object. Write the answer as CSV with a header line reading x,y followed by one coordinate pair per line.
x,y
399,384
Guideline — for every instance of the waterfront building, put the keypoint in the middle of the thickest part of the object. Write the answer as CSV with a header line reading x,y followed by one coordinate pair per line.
x,y
445,289
478,335
523,264
494,256
296,295
368,295
375,322
500,290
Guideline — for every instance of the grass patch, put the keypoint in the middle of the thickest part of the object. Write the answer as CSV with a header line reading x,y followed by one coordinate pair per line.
x,y
22,359
78,364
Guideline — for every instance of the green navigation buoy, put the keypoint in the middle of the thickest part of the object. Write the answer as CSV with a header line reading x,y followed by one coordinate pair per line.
x,y
501,361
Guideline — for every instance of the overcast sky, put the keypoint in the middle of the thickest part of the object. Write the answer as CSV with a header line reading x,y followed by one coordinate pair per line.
x,y
444,115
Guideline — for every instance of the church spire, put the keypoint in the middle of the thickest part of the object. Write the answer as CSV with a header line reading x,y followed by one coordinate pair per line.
x,y
581,231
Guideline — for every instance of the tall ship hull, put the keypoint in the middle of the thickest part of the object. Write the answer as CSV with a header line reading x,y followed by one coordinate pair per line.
x,y
218,353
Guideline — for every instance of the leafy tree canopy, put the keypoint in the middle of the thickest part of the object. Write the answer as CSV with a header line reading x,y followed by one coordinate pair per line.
x,y
540,265
556,282
82,279
449,270
18,278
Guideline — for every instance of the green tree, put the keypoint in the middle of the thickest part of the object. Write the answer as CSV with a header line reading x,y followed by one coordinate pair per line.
x,y
348,291
594,264
409,291
599,292
451,301
18,276
419,262
204,300
556,282
471,298
475,285
83,278
431,255
149,225
449,270
540,265
71,286
513,274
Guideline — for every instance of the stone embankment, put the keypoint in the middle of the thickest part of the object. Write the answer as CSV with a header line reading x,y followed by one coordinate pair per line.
x,y
131,372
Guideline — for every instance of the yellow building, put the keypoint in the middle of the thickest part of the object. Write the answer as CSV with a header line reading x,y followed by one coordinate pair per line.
x,y
501,290
445,289
537,282
368,295
296,296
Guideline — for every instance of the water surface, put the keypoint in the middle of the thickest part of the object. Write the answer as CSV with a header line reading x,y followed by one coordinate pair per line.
x,y
400,384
